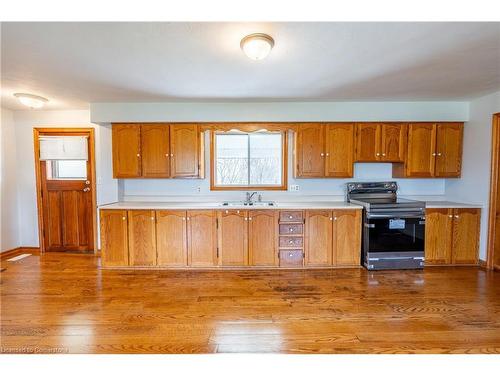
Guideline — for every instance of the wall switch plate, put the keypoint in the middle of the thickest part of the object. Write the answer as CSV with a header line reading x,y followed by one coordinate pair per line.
x,y
294,188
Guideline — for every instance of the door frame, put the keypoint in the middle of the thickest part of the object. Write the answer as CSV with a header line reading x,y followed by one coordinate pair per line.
x,y
495,171
37,132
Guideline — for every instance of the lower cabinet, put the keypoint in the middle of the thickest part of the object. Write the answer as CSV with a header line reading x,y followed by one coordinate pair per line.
x,y
202,238
142,237
114,238
262,238
452,235
233,237
171,238
333,238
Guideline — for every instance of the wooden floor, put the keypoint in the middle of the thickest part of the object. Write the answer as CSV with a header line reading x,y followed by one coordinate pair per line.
x,y
64,303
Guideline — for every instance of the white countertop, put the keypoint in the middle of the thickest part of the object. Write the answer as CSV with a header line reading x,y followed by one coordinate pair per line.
x,y
218,205
449,204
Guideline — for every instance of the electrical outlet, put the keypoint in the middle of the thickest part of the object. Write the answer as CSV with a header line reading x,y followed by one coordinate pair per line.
x,y
294,188
198,189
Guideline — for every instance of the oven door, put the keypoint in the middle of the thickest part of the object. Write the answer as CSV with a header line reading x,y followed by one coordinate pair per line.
x,y
395,233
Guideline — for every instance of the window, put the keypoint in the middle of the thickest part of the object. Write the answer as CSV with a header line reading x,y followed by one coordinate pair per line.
x,y
249,160
66,169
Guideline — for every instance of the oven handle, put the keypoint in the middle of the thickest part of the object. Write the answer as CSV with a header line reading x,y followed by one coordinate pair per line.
x,y
396,216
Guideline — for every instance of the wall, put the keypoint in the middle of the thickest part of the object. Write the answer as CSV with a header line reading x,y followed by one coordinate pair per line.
x,y
25,121
474,186
9,220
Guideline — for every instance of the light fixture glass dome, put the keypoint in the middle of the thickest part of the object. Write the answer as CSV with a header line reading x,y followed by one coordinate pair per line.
x,y
257,46
30,100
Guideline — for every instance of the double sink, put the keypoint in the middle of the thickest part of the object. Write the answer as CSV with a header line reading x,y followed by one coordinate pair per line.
x,y
248,204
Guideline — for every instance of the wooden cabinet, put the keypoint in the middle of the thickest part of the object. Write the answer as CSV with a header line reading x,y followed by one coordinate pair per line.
x,y
202,238
376,142
452,235
346,237
333,238
324,150
233,237
142,237
157,151
184,151
262,238
126,139
434,150
171,238
318,238
114,238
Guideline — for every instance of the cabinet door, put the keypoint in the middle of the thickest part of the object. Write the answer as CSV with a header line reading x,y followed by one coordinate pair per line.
x,y
339,150
233,237
126,139
438,235
367,142
309,150
421,150
155,147
465,235
346,237
184,150
142,237
171,238
114,240
318,249
202,238
393,142
262,237
449,150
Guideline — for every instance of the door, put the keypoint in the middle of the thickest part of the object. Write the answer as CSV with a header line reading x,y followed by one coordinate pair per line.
x,y
142,237
171,238
233,237
309,150
202,238
318,238
126,139
339,154
114,238
184,150
421,150
367,142
449,150
438,235
393,142
346,237
465,235
64,161
262,237
155,148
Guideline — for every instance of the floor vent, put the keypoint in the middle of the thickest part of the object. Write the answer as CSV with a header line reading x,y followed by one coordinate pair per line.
x,y
19,257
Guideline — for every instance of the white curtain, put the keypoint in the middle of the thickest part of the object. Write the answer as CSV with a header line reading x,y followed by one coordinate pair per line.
x,y
63,148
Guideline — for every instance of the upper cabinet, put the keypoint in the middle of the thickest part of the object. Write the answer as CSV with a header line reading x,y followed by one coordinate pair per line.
x,y
434,150
157,151
377,142
324,150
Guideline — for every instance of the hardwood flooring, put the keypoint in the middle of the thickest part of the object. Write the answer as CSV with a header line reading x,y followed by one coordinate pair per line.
x,y
64,303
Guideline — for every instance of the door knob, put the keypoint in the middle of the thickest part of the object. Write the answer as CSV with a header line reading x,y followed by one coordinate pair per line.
x,y
86,189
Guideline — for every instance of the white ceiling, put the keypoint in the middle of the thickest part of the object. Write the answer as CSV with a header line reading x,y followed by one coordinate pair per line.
x,y
74,64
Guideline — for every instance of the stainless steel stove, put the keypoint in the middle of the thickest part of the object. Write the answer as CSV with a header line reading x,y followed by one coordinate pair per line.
x,y
393,228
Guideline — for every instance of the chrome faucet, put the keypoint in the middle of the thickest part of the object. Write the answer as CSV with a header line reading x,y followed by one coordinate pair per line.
x,y
248,201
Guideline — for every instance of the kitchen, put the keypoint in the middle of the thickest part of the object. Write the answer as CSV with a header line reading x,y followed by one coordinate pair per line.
x,y
256,194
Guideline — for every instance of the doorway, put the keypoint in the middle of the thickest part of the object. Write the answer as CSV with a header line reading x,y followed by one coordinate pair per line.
x,y
66,196
493,258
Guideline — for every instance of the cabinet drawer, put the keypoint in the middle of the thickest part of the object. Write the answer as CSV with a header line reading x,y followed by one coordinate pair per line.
x,y
291,228
291,217
291,258
297,242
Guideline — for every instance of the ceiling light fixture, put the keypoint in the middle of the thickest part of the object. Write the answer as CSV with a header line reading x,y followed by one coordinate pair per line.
x,y
257,46
32,101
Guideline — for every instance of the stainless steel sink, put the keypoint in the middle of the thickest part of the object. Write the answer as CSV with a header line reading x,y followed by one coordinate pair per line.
x,y
249,204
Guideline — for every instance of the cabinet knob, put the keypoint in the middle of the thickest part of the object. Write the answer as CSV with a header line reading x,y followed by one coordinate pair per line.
x,y
327,154
188,219
290,255
290,217
378,153
439,154
290,242
433,154
138,155
450,216
183,219
457,217
331,218
171,155
166,155
152,217
250,218
335,218
291,229
322,154
383,154
245,219
123,217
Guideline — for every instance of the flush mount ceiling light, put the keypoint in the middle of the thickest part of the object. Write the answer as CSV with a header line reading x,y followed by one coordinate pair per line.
x,y
257,46
32,101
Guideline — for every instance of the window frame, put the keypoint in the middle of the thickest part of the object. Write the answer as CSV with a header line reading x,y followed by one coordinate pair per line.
x,y
284,166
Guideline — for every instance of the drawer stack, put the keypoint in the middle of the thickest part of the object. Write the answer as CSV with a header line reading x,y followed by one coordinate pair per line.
x,y
291,238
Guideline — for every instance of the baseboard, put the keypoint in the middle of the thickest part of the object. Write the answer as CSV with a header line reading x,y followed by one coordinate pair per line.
x,y
18,250
482,263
